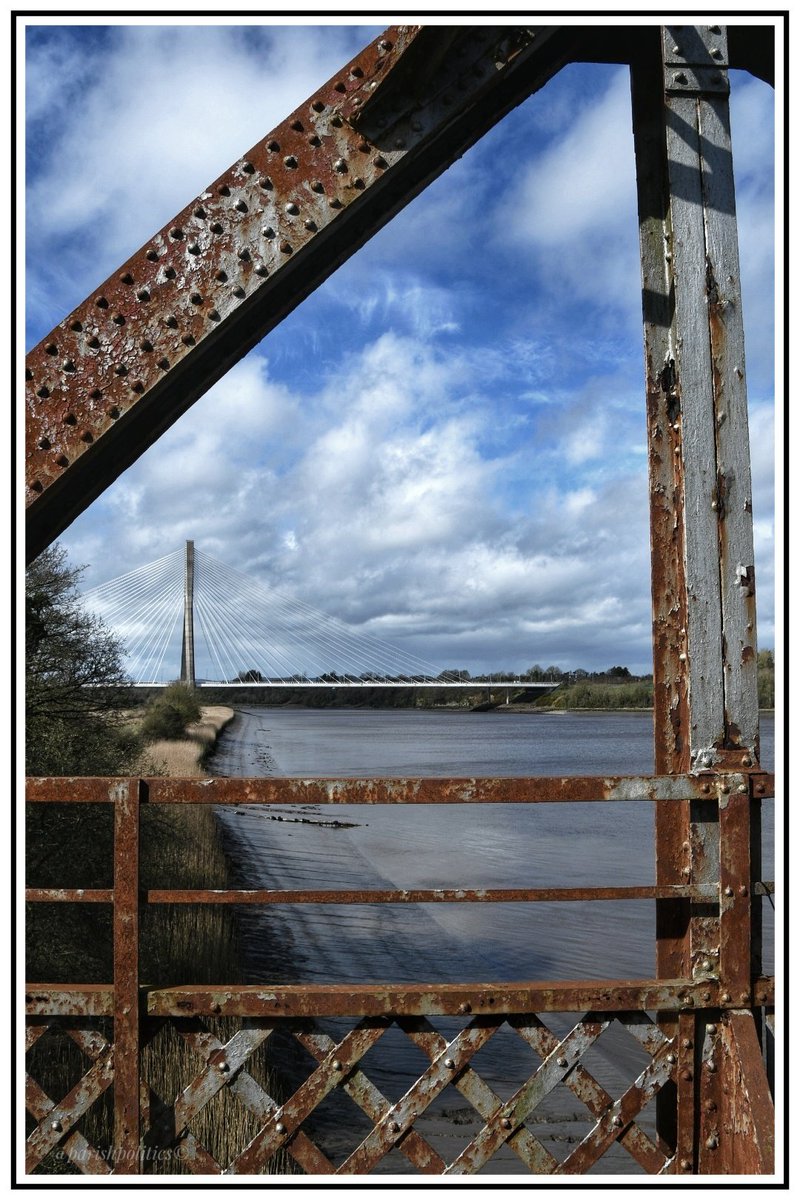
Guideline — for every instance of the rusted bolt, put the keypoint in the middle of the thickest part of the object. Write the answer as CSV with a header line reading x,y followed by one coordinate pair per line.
x,y
561,1062
87,436
120,369
671,1058
43,391
43,443
465,1007
706,788
290,161
394,1127
448,1062
707,964
193,248
224,1067
724,786
617,1121
711,1029
176,233
505,1123
169,272
215,227
187,338
687,1043
686,1075
274,146
127,278
712,1066
742,788
280,1127
686,846
143,294
163,363
336,1064
318,106
710,1106
76,326
726,997
340,165
682,657
286,247
152,256
742,890
712,1142
685,1164
384,45
146,345
101,302
56,1126
728,891
118,319
196,298
200,213
744,997
747,761
706,996
248,167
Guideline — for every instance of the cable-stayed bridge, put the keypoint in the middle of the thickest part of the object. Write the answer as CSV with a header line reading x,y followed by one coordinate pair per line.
x,y
188,617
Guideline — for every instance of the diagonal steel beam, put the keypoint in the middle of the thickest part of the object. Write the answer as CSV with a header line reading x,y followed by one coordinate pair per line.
x,y
121,368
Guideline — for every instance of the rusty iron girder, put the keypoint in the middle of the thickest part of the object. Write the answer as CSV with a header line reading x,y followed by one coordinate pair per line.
x,y
121,368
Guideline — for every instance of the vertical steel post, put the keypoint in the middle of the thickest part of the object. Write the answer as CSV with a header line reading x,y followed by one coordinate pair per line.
x,y
706,701
126,796
187,645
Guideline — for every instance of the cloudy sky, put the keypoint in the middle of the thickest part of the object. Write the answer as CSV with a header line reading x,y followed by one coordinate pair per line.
x,y
445,444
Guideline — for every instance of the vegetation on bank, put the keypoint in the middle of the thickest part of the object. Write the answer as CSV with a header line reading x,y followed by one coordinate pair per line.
x,y
83,721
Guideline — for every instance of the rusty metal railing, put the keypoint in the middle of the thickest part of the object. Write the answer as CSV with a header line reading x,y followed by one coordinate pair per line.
x,y
695,1030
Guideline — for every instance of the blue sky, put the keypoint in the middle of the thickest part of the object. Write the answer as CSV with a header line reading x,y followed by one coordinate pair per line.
x,y
445,444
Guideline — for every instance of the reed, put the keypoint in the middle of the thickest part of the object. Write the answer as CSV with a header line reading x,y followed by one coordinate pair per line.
x,y
180,847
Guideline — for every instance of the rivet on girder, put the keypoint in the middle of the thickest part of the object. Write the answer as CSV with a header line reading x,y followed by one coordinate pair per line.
x,y
215,227
152,255
200,213
241,206
169,272
43,391
244,254
127,278
121,369
143,294
248,168
297,126
292,209
176,233
223,190
146,345
273,146
266,183
101,302
171,322
118,319
318,106
317,186
193,248
196,298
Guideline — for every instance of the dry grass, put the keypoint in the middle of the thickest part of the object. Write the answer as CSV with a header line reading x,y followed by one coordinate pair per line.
x,y
185,758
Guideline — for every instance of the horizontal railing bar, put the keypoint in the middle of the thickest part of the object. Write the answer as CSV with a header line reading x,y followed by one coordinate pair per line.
x,y
43,1000
427,895
532,790
400,896
444,999
69,895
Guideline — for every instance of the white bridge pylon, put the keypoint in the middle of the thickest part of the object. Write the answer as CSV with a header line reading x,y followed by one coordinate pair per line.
x,y
227,630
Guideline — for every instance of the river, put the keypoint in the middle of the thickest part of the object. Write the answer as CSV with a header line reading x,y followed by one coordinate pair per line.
x,y
451,846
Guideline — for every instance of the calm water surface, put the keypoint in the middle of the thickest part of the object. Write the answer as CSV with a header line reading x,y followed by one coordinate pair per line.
x,y
493,846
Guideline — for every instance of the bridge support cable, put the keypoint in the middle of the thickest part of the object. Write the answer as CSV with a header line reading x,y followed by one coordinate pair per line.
x,y
244,632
